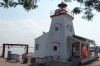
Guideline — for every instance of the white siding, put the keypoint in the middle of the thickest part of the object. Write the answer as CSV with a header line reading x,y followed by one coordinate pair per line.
x,y
45,41
60,37
42,43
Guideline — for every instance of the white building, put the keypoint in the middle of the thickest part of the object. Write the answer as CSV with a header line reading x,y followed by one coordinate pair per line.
x,y
60,42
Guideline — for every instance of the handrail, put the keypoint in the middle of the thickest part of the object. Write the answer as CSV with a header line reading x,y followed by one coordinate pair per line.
x,y
67,11
46,59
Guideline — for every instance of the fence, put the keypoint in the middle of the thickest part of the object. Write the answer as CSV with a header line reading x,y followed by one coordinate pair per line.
x,y
44,60
63,11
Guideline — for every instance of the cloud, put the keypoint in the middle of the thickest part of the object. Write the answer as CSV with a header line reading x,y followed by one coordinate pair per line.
x,y
23,31
32,27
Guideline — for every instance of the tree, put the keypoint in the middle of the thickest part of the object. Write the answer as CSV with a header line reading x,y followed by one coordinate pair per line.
x,y
86,6
26,4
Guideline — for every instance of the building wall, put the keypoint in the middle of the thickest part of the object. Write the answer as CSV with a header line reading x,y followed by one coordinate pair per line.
x,y
68,21
46,41
60,37
56,36
42,44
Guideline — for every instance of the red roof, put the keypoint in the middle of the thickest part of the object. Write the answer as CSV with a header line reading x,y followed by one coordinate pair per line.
x,y
62,4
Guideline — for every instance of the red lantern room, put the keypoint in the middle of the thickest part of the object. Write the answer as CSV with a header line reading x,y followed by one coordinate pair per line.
x,y
62,6
62,11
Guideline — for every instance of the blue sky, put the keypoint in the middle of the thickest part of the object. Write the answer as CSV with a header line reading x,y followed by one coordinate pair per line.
x,y
19,26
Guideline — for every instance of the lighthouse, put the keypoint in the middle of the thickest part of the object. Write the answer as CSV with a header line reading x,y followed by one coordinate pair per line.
x,y
61,27
60,42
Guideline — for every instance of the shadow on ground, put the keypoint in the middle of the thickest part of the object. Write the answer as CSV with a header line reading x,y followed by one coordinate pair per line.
x,y
85,64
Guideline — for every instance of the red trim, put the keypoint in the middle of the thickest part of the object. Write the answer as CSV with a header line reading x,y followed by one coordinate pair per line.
x,y
57,15
62,4
55,43
3,50
63,14
16,44
57,23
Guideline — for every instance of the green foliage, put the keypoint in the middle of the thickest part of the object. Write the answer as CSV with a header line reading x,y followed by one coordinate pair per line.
x,y
88,15
26,4
77,10
89,6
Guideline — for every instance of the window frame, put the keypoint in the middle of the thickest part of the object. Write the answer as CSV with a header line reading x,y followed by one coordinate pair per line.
x,y
56,28
55,48
70,29
37,47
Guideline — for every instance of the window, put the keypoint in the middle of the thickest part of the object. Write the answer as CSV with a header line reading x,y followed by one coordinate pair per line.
x,y
70,29
55,48
37,47
56,28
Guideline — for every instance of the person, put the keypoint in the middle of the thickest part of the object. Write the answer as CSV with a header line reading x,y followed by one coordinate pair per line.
x,y
96,51
25,59
77,53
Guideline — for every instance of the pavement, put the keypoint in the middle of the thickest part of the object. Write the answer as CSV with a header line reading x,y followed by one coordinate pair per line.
x,y
4,62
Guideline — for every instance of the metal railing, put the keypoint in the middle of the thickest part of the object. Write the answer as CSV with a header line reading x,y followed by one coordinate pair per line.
x,y
46,59
67,11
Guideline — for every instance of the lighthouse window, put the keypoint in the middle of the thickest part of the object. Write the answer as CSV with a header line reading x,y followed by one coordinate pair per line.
x,y
56,28
70,29
55,48
37,47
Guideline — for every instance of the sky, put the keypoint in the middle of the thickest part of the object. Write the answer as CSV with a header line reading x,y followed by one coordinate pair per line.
x,y
20,26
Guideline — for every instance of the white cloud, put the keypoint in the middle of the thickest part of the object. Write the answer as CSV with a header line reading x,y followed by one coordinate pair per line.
x,y
24,31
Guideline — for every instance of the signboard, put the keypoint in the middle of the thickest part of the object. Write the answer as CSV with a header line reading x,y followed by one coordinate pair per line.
x,y
57,12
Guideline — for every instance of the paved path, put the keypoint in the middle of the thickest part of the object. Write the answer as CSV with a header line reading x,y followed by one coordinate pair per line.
x,y
94,62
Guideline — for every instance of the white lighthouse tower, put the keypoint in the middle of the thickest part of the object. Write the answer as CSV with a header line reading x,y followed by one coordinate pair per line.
x,y
61,27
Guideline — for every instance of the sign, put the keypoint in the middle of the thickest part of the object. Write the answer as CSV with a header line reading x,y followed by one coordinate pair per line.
x,y
57,12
